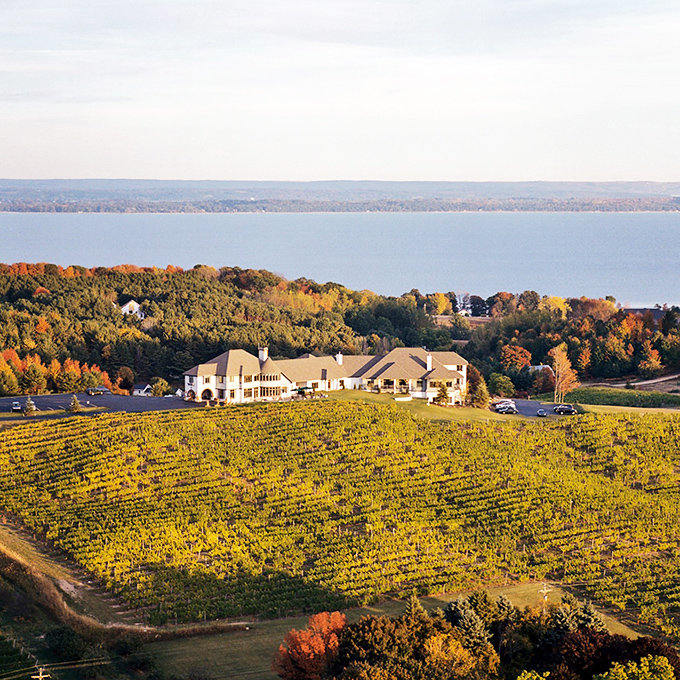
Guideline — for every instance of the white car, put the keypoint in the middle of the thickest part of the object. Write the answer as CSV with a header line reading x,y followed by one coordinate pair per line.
x,y
16,407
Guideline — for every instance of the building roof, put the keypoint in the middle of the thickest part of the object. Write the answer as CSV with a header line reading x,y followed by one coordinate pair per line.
x,y
233,362
410,363
309,367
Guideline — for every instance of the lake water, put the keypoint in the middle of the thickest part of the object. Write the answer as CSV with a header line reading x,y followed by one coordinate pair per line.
x,y
633,256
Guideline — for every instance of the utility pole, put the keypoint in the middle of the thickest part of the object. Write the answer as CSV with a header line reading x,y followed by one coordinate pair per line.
x,y
42,675
544,591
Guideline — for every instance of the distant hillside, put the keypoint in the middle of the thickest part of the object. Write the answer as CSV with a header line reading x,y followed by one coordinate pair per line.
x,y
123,195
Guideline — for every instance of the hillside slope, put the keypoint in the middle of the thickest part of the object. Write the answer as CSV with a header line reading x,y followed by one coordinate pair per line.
x,y
296,507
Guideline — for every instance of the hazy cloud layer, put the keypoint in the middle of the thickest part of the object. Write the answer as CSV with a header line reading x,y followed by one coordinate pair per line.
x,y
311,89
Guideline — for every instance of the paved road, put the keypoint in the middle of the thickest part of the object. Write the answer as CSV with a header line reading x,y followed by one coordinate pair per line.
x,y
111,402
528,408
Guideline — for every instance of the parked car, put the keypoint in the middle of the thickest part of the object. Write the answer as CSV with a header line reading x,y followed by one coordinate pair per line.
x,y
506,408
16,407
542,413
565,410
93,391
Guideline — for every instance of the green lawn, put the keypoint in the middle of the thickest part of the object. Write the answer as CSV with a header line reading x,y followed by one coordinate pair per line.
x,y
248,653
418,407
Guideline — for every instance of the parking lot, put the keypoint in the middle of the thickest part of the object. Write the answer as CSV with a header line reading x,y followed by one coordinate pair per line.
x,y
56,403
528,408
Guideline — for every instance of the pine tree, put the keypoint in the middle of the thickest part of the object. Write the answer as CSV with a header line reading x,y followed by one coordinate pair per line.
x,y
29,407
484,606
564,620
414,609
74,406
588,617
480,397
506,610
442,394
476,633
455,609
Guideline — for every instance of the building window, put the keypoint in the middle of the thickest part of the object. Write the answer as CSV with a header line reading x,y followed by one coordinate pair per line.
x,y
247,378
419,383
220,394
206,379
315,385
232,394
191,379
247,394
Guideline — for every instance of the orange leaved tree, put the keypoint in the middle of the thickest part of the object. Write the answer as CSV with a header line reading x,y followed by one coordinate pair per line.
x,y
307,653
565,376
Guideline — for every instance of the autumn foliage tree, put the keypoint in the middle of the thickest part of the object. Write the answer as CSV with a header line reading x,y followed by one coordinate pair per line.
x,y
515,357
565,376
306,654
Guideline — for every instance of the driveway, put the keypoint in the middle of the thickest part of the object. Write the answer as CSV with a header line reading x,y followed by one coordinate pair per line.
x,y
46,403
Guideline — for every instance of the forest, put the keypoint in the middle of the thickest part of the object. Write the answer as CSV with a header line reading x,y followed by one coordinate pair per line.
x,y
473,637
601,340
276,509
61,329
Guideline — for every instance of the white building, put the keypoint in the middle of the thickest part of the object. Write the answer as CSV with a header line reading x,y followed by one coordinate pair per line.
x,y
240,377
132,307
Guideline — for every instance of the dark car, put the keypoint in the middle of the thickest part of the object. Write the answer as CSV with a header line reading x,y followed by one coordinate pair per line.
x,y
93,391
542,413
565,410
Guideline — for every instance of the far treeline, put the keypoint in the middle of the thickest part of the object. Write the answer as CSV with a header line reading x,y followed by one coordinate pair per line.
x,y
62,329
292,205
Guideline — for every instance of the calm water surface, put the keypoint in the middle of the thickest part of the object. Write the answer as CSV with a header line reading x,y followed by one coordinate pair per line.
x,y
633,256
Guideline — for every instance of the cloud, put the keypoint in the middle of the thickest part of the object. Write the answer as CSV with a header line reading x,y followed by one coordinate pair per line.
x,y
427,87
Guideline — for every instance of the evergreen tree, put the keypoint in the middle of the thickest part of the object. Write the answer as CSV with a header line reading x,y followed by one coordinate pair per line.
x,y
476,633
562,621
29,407
442,393
484,606
506,610
455,609
414,609
589,617
33,381
480,397
74,406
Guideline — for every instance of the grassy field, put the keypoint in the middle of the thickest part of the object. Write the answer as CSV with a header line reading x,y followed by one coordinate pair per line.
x,y
611,396
421,409
248,653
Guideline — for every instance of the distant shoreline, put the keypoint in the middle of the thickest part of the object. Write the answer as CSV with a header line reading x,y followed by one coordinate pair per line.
x,y
273,206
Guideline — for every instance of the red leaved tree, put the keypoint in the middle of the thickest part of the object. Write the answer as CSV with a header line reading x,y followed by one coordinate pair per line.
x,y
307,653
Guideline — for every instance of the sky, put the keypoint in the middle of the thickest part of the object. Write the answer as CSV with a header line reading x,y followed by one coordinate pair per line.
x,y
340,89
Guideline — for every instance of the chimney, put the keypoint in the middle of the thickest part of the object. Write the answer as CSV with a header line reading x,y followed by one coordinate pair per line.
x,y
338,358
263,353
429,361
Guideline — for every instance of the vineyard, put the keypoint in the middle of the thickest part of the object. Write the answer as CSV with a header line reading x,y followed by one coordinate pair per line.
x,y
275,509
